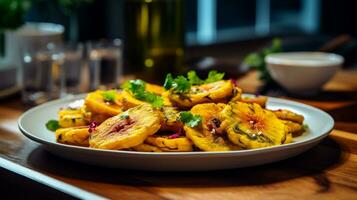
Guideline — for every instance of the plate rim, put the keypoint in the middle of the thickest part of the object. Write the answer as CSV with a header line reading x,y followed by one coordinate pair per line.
x,y
178,154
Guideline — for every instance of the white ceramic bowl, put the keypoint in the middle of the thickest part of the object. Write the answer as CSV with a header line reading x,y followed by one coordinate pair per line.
x,y
303,72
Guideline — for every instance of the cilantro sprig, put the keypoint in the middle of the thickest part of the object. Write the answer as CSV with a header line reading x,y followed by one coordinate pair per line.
x,y
214,76
181,84
134,85
169,81
137,89
194,79
52,125
190,119
109,95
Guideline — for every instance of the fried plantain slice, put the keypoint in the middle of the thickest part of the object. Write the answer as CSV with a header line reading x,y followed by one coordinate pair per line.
x,y
156,89
74,136
129,101
216,92
165,143
261,100
71,118
136,92
169,117
127,130
250,126
209,136
72,115
96,103
289,115
294,128
237,94
165,97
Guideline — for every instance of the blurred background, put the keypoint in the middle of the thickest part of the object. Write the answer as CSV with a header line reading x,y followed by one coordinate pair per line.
x,y
207,21
161,36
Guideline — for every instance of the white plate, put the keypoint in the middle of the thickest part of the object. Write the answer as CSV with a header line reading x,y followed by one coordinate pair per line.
x,y
32,125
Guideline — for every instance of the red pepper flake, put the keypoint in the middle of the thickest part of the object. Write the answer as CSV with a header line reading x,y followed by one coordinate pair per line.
x,y
92,126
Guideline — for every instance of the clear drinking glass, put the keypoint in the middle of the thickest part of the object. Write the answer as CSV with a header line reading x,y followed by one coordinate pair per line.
x,y
42,75
72,64
51,72
105,63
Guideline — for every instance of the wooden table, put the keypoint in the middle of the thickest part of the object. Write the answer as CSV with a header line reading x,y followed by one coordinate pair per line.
x,y
328,171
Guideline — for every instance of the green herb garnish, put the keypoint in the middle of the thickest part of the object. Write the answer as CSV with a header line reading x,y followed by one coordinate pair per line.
x,y
52,125
193,78
214,76
109,95
179,85
134,85
168,81
137,89
150,97
305,126
189,119
154,100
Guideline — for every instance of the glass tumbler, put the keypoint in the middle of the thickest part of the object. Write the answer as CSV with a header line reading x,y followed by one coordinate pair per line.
x,y
105,63
72,67
42,77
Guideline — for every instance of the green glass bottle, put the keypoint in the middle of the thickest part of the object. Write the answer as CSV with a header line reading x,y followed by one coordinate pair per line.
x,y
154,37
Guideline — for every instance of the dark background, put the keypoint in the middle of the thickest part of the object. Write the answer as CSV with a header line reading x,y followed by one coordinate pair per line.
x,y
304,25
105,19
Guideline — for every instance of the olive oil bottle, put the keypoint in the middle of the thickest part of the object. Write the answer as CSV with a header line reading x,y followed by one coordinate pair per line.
x,y
154,37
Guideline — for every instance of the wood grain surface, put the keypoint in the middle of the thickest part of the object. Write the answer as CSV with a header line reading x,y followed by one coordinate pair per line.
x,y
327,171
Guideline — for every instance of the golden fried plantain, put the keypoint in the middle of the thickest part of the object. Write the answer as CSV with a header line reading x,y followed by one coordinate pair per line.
x,y
165,143
261,100
74,136
289,115
129,101
169,117
71,117
156,89
72,114
209,136
250,126
165,96
294,128
127,130
93,117
216,92
96,103
237,94
289,138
